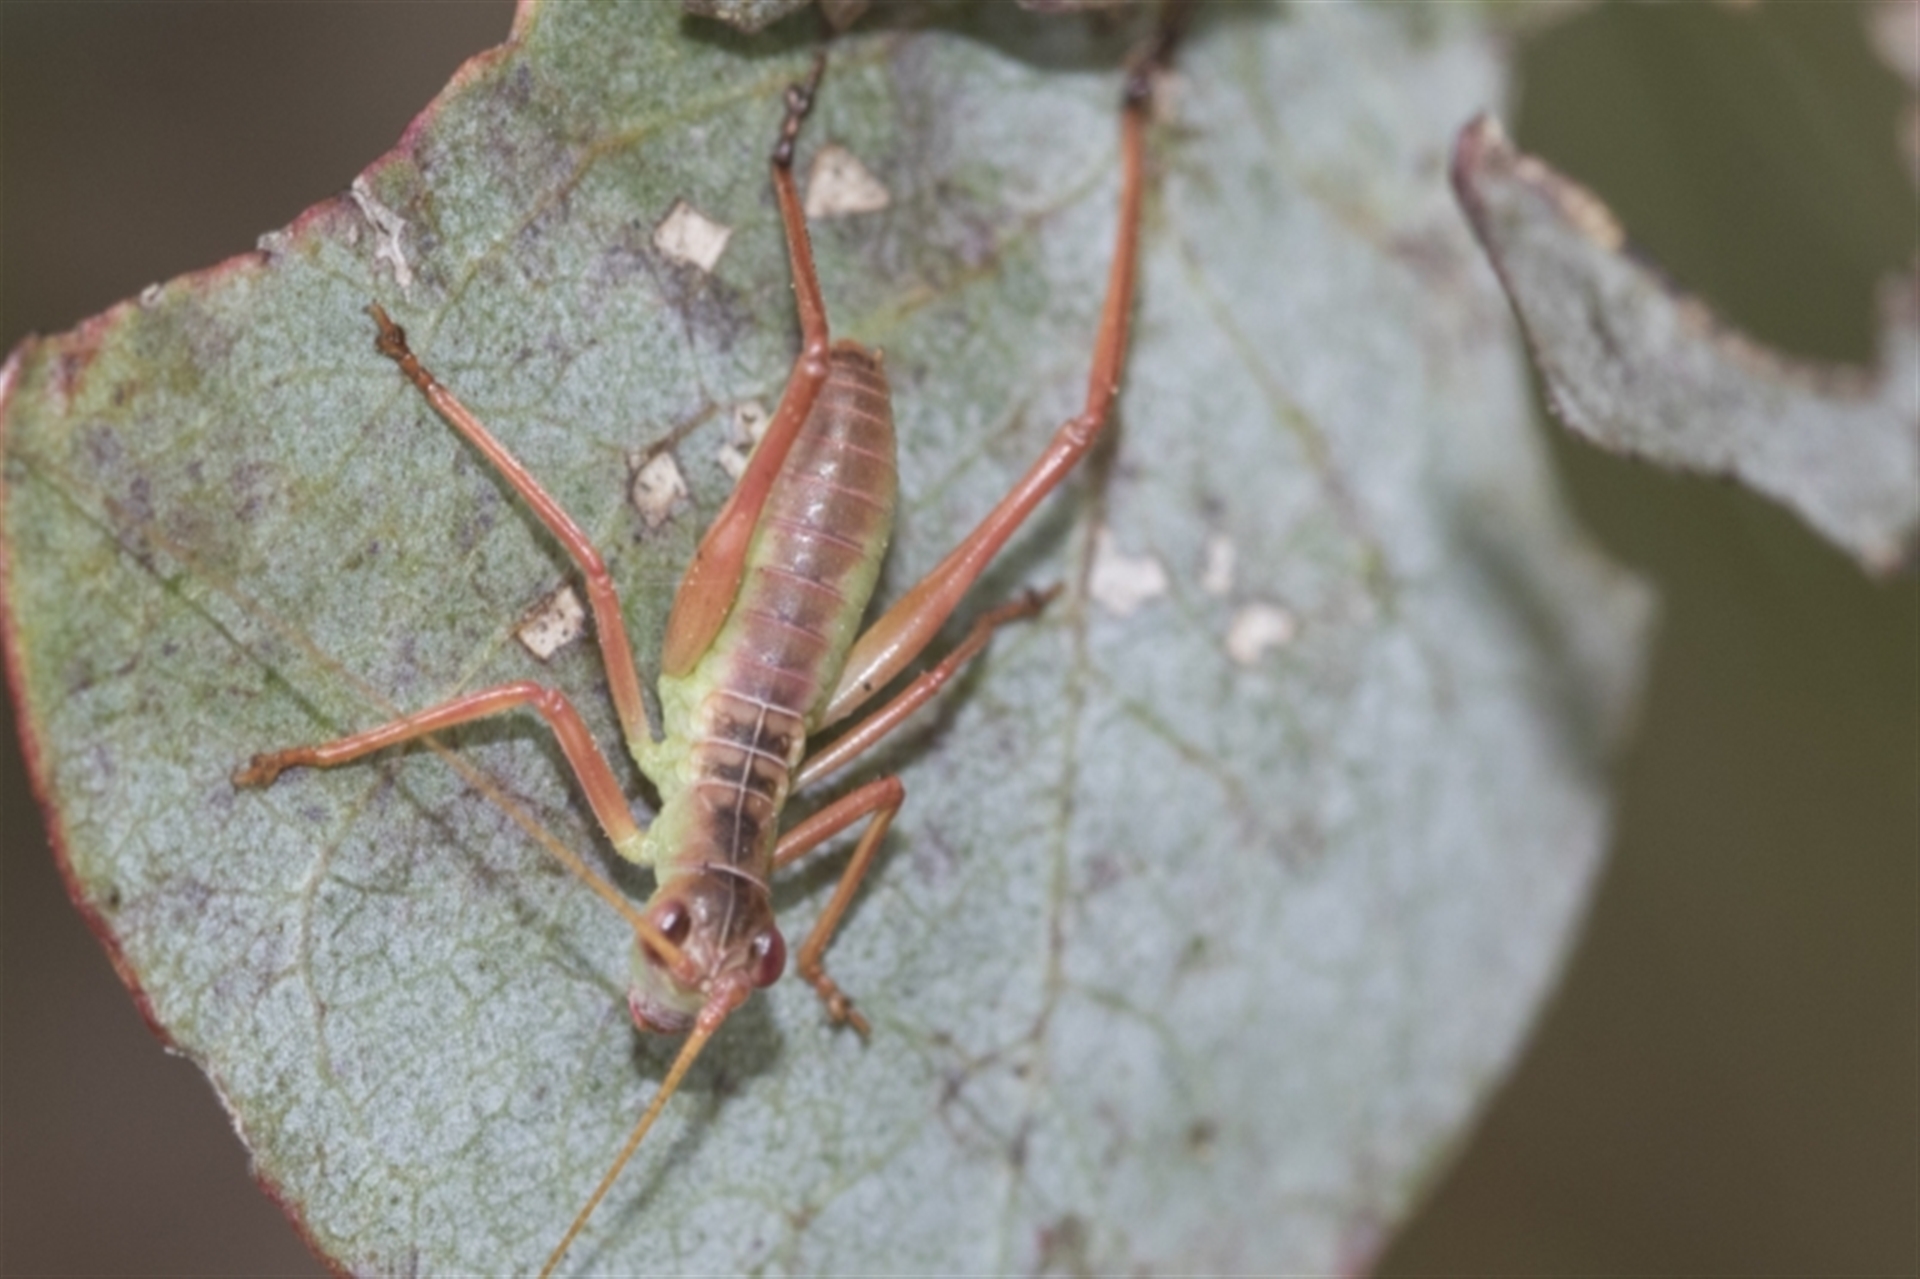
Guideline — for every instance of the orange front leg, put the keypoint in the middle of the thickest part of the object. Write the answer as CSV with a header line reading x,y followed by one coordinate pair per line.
x,y
880,798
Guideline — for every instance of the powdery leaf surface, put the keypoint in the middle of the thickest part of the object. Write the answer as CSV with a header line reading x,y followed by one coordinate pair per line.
x,y
1175,962
1639,369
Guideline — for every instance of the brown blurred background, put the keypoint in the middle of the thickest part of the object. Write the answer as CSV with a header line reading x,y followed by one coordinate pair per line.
x,y
1729,1079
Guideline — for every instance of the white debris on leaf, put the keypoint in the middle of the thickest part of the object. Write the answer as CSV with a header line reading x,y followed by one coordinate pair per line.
x,y
390,226
750,419
1257,628
658,486
691,237
1216,574
838,185
552,624
1121,583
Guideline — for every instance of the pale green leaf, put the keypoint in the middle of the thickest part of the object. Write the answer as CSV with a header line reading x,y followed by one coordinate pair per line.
x,y
1206,927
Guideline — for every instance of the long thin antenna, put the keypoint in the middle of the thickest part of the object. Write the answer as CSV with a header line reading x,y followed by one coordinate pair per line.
x,y
721,1003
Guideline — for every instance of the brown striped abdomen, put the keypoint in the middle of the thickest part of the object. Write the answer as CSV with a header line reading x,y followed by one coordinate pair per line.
x,y
810,569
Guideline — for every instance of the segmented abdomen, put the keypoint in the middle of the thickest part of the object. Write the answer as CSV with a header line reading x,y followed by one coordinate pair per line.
x,y
810,570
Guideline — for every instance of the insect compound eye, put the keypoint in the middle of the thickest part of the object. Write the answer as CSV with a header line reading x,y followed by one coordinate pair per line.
x,y
769,952
674,921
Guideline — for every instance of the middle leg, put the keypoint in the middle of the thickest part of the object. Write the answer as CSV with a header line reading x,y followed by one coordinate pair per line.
x,y
863,736
589,766
880,799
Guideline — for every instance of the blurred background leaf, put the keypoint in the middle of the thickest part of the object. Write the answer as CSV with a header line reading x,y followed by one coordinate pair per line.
x,y
1729,1081
1641,369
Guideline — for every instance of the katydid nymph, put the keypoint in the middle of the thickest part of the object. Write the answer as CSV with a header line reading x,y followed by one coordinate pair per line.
x,y
763,651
